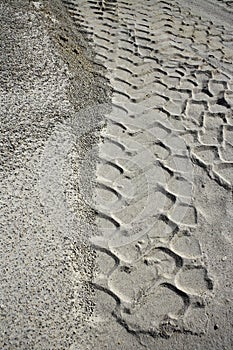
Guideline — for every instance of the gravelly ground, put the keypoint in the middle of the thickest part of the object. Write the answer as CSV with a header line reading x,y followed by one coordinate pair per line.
x,y
47,78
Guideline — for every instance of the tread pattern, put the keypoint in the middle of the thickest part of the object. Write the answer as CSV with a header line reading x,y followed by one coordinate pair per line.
x,y
172,104
226,4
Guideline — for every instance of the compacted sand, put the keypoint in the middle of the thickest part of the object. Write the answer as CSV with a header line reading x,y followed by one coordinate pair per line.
x,y
117,174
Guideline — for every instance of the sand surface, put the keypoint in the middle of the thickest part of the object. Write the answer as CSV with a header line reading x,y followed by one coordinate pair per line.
x,y
117,186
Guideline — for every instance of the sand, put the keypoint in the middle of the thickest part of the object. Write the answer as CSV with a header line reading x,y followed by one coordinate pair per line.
x,y
135,181
46,260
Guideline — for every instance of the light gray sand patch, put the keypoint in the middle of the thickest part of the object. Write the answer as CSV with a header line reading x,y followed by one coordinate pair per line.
x,y
170,70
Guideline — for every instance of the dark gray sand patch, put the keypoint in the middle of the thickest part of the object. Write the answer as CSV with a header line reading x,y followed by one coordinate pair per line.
x,y
47,78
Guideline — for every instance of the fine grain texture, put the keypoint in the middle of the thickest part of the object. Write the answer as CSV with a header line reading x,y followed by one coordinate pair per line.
x,y
48,78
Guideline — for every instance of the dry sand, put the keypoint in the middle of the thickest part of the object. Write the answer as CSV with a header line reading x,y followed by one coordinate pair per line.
x,y
117,202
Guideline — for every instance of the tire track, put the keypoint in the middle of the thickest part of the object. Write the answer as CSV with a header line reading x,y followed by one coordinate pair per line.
x,y
171,108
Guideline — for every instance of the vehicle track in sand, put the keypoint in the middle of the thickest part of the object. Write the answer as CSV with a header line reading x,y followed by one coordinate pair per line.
x,y
171,76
